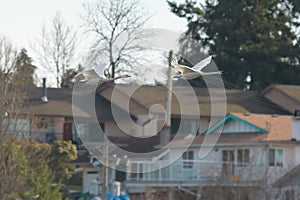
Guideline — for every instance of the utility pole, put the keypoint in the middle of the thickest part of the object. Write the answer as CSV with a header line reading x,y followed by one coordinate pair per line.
x,y
169,91
165,132
105,169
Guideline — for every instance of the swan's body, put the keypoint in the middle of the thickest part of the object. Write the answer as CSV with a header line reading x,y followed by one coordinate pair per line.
x,y
90,76
195,71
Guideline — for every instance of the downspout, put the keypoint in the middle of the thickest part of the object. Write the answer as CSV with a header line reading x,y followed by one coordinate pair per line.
x,y
266,173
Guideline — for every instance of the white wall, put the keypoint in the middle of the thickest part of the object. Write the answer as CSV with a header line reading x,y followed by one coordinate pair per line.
x,y
213,163
90,178
296,128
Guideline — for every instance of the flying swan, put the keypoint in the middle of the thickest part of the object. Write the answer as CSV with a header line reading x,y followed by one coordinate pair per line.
x,y
90,76
195,71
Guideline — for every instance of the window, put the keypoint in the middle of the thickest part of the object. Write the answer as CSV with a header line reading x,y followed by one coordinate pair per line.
x,y
228,162
243,157
240,156
84,130
276,157
17,127
81,130
136,171
187,156
228,155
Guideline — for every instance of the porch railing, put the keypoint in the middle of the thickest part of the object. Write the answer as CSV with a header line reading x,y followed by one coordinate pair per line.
x,y
194,170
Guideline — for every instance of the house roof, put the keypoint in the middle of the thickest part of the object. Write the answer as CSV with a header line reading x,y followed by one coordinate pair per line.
x,y
286,96
291,178
146,96
237,101
253,128
59,102
279,127
267,128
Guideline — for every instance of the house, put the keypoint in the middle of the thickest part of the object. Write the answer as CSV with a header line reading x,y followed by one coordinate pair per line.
x,y
48,115
285,96
123,113
140,104
144,99
289,184
252,152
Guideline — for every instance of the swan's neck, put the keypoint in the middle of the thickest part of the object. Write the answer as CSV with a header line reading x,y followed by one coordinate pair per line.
x,y
211,73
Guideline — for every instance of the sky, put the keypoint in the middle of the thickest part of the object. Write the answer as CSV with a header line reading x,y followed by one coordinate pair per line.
x,y
21,21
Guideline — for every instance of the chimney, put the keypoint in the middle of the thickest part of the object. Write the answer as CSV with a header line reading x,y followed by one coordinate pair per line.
x,y
296,126
44,97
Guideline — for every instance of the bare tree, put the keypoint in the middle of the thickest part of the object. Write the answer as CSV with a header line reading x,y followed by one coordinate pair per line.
x,y
11,93
25,166
115,25
8,55
11,101
56,46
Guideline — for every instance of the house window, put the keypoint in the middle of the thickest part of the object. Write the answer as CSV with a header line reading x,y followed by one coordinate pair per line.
x,y
243,157
187,157
228,162
16,127
240,156
81,130
234,158
276,157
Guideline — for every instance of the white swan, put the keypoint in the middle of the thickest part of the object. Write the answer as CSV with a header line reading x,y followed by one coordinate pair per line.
x,y
195,71
90,76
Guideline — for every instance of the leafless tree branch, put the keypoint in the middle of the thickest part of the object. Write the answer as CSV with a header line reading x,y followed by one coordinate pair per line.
x,y
115,25
56,46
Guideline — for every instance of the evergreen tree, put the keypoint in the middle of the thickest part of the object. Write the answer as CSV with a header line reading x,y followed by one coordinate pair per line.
x,y
247,36
24,69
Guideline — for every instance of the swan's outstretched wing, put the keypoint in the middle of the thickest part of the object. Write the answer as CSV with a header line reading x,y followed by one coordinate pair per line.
x,y
87,75
203,63
90,74
80,78
182,68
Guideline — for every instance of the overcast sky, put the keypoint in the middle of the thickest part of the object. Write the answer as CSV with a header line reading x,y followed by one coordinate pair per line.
x,y
21,20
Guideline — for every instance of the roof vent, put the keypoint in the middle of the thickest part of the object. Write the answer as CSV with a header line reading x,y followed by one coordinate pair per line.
x,y
246,114
44,97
